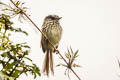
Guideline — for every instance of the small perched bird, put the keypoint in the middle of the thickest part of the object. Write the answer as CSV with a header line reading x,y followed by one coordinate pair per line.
x,y
53,31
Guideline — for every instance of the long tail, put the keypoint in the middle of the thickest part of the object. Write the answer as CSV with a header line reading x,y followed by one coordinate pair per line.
x,y
51,62
46,64
48,61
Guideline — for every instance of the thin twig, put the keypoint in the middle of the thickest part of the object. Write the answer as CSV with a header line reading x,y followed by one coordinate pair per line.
x,y
13,70
16,65
45,37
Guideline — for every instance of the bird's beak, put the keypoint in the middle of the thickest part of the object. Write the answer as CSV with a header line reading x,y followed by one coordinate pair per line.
x,y
60,18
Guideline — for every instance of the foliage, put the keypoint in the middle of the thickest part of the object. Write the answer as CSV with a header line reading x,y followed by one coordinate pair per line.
x,y
13,57
13,11
3,76
6,24
71,57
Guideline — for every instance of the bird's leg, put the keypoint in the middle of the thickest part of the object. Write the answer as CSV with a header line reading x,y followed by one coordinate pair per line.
x,y
55,50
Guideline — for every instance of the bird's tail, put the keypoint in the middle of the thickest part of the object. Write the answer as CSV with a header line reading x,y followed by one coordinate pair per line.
x,y
48,62
51,62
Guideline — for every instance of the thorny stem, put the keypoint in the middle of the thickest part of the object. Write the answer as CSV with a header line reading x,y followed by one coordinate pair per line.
x,y
45,37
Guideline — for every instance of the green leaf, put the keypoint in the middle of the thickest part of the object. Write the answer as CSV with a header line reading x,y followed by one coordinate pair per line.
x,y
67,55
28,59
17,30
71,50
2,48
26,52
61,65
2,21
75,54
26,46
16,73
9,66
36,69
25,32
9,34
17,3
18,45
76,65
9,23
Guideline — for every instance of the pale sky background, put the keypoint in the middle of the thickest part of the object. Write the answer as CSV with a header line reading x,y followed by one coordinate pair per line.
x,y
92,26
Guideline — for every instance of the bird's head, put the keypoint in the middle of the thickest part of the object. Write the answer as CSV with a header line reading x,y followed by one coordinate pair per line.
x,y
52,18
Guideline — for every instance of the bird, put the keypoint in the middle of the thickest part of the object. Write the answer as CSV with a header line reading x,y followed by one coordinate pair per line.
x,y
52,29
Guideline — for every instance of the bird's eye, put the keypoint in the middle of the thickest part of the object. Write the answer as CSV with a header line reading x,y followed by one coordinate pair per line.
x,y
52,18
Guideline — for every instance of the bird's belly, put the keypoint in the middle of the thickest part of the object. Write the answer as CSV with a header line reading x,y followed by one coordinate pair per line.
x,y
54,36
